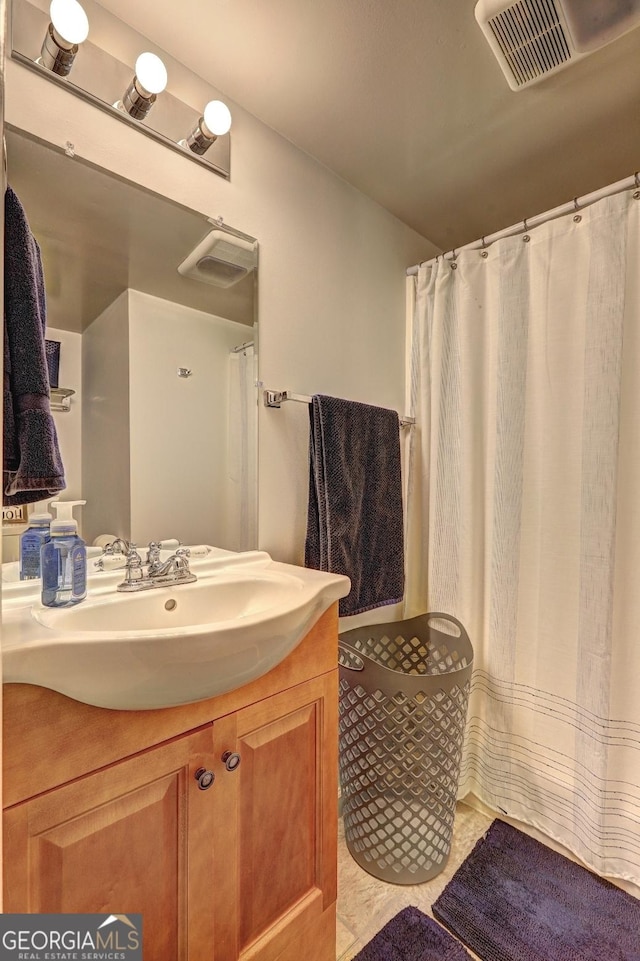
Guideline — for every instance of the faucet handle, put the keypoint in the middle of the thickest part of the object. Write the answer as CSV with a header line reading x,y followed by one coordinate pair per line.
x,y
153,554
119,546
133,569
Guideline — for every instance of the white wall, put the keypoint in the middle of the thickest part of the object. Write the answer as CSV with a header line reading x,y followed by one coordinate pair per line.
x,y
69,424
332,263
155,445
178,426
105,436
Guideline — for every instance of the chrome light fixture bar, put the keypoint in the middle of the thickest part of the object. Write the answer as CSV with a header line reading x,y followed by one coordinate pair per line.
x,y
100,78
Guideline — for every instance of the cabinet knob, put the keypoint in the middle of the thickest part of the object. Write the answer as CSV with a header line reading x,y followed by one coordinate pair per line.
x,y
231,760
204,778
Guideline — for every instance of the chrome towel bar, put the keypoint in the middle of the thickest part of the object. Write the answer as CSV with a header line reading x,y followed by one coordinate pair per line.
x,y
275,398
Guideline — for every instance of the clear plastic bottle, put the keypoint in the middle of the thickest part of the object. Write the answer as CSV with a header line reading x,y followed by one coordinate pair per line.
x,y
64,560
31,541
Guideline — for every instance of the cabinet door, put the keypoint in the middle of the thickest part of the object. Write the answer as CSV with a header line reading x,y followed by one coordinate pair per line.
x,y
286,809
132,838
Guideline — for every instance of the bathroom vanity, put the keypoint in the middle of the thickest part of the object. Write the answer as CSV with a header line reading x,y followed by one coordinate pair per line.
x,y
214,820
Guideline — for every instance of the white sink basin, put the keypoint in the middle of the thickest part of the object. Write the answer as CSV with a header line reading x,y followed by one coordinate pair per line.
x,y
169,645
177,610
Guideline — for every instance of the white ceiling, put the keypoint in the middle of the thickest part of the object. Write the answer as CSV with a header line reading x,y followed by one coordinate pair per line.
x,y
404,100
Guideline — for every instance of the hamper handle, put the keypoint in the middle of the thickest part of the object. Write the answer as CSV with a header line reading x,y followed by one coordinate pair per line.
x,y
434,615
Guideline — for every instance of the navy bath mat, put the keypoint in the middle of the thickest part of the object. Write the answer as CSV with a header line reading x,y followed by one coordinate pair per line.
x,y
412,936
514,899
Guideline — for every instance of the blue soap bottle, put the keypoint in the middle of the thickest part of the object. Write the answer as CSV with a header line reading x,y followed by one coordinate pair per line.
x,y
31,541
64,560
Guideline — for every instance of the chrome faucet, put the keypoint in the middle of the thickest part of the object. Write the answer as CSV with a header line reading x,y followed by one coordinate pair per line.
x,y
170,573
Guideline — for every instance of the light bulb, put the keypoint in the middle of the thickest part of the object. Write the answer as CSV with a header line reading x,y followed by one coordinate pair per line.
x,y
217,118
69,21
151,73
215,122
149,79
68,28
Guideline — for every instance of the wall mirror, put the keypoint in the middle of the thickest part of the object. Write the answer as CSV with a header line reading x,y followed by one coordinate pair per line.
x,y
160,437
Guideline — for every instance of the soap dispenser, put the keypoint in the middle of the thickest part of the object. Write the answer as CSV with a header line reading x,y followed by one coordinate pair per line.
x,y
64,559
31,540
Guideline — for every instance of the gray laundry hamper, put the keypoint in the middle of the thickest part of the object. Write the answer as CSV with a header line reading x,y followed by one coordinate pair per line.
x,y
404,693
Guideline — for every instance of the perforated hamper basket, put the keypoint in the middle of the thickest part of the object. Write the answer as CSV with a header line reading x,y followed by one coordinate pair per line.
x,y
404,693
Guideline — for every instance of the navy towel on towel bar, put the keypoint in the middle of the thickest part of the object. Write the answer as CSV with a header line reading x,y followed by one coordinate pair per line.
x,y
355,522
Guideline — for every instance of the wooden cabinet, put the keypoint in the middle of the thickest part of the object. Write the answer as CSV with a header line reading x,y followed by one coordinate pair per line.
x,y
104,813
285,823
133,838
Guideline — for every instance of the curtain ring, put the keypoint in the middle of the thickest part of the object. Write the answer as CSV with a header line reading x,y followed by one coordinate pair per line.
x,y
483,251
454,265
576,206
577,218
526,237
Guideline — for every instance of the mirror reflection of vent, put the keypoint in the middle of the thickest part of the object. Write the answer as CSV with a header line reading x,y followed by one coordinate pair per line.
x,y
214,271
532,39
220,259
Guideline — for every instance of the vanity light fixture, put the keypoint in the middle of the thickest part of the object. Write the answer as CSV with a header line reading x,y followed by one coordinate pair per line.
x,y
215,122
149,80
45,36
68,28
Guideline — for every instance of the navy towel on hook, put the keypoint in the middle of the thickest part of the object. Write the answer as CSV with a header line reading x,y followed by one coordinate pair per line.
x,y
32,468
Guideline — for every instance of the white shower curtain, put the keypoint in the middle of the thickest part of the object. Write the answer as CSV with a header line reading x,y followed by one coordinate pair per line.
x,y
524,517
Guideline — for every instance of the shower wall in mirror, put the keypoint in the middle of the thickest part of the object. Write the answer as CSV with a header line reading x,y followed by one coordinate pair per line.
x,y
161,435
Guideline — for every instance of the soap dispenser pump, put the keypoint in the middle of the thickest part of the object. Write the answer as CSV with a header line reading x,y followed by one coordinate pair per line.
x,y
64,559
31,541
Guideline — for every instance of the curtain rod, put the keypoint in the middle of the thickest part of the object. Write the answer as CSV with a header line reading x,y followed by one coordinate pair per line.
x,y
240,347
274,398
523,225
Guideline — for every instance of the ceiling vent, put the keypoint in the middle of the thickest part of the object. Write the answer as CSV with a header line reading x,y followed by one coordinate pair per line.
x,y
534,38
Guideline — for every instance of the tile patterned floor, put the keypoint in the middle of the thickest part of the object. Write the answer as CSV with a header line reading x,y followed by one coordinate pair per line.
x,y
366,904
